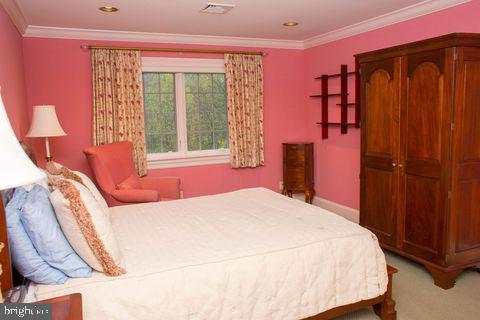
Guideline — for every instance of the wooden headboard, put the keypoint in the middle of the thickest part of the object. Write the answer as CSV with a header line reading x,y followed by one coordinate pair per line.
x,y
6,278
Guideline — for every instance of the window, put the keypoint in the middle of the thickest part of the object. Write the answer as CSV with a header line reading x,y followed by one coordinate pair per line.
x,y
185,111
160,112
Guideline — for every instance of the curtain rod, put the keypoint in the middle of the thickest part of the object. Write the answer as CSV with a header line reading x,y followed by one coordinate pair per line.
x,y
253,53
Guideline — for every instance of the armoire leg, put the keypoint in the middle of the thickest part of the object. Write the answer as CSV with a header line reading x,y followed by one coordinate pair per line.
x,y
444,279
386,309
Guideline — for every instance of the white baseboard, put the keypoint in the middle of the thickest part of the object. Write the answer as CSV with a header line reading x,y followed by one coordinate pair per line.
x,y
344,211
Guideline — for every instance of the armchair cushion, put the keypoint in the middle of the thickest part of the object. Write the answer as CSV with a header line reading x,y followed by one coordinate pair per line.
x,y
167,187
135,195
129,183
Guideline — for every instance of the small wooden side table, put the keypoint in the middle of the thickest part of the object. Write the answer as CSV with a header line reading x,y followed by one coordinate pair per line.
x,y
298,169
67,307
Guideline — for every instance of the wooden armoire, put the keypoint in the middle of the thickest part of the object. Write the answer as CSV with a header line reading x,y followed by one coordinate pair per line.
x,y
420,151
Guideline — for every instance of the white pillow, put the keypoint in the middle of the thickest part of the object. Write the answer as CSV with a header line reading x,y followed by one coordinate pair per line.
x,y
86,226
59,170
93,189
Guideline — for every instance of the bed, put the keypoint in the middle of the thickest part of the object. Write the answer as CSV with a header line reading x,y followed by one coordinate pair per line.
x,y
248,254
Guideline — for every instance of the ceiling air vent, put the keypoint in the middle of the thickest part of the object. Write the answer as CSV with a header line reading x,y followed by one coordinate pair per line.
x,y
217,8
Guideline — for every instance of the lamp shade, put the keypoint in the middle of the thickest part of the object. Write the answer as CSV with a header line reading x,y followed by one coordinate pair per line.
x,y
16,169
45,123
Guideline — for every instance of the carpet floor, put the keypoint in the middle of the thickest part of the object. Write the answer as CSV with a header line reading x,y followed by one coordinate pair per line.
x,y
418,298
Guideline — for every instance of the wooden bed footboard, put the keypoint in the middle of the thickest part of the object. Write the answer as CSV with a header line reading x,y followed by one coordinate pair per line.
x,y
384,305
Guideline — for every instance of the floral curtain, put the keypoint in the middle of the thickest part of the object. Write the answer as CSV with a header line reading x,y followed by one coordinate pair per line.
x,y
118,113
244,74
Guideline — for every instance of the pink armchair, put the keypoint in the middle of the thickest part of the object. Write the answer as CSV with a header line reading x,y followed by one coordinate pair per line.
x,y
113,163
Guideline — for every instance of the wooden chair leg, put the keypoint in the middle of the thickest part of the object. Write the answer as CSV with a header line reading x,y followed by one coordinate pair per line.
x,y
386,309
444,279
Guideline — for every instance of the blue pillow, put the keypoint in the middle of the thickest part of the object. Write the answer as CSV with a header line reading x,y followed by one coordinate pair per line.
x,y
24,256
40,223
6,195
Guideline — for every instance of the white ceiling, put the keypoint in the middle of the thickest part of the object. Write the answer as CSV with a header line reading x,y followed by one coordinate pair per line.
x,y
250,18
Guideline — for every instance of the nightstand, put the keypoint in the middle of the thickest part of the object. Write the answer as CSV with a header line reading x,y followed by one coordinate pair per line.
x,y
67,307
298,169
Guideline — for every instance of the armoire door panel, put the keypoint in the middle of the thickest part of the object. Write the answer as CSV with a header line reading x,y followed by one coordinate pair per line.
x,y
421,230
468,169
465,226
380,113
425,132
436,57
470,142
425,168
379,163
378,203
380,129
468,224
424,112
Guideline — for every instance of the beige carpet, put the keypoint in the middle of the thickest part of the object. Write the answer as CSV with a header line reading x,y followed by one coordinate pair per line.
x,y
418,298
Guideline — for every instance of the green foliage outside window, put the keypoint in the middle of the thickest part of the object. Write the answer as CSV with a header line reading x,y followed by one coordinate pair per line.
x,y
206,111
206,107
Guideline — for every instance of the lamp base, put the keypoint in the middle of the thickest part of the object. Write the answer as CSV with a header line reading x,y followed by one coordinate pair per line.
x,y
49,159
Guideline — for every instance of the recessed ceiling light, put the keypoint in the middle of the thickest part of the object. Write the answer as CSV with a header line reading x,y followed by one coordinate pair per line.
x,y
290,24
108,9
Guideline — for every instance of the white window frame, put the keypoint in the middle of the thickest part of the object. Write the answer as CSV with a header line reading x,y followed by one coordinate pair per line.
x,y
182,157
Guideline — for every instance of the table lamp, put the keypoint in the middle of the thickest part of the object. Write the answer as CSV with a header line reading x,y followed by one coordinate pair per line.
x,y
16,170
45,124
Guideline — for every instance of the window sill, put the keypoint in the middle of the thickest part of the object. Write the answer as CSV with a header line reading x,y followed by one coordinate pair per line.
x,y
174,161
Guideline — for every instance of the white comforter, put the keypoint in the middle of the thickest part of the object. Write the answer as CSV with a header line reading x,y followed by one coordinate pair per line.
x,y
249,254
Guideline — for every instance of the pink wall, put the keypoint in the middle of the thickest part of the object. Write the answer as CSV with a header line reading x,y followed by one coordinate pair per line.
x,y
12,81
58,72
338,158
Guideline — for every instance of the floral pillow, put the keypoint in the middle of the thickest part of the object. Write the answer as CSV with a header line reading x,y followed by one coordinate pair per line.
x,y
58,170
86,226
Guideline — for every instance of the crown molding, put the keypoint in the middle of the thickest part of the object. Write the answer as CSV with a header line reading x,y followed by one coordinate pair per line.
x,y
15,14
407,13
111,35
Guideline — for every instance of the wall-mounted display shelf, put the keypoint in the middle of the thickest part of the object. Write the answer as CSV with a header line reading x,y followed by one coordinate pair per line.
x,y
344,104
